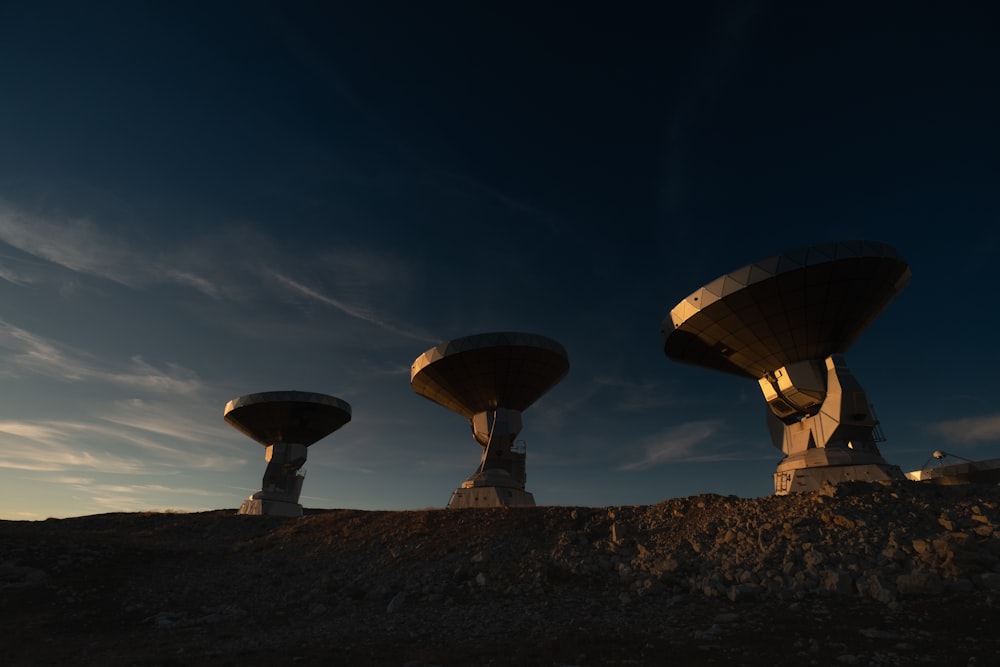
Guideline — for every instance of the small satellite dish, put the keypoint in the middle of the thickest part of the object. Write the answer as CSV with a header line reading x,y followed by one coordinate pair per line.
x,y
964,472
490,379
287,423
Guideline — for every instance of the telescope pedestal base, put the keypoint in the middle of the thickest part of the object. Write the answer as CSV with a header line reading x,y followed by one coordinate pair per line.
x,y
261,506
796,480
490,496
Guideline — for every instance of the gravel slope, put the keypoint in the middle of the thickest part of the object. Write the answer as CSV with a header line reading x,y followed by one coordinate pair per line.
x,y
860,574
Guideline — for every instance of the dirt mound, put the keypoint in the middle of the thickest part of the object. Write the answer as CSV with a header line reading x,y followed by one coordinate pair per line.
x,y
867,574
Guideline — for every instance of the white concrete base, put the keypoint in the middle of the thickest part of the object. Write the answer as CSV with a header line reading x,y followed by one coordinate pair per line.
x,y
796,480
270,507
489,496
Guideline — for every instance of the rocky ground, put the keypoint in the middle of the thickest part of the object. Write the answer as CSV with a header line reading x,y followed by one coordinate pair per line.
x,y
860,574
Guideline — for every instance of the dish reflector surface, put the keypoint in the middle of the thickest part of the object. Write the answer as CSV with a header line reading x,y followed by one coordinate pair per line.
x,y
483,372
805,304
287,416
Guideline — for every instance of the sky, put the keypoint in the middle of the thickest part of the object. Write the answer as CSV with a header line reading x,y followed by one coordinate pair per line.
x,y
205,200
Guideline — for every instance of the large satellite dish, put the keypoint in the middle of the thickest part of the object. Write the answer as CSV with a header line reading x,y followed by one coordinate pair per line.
x,y
490,379
805,304
786,321
286,423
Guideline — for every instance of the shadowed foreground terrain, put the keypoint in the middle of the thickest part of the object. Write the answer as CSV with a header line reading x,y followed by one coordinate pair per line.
x,y
880,574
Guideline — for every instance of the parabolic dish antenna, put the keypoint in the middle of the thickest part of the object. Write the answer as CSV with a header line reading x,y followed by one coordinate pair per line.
x,y
298,417
806,304
785,321
477,373
490,379
286,423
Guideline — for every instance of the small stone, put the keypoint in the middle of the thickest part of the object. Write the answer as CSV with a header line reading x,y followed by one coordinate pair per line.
x,y
919,583
990,580
396,603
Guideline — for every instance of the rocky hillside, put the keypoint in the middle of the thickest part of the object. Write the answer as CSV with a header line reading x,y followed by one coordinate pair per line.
x,y
860,574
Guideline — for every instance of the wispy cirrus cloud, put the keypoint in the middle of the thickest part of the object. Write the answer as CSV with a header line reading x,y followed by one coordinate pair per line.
x,y
170,419
92,484
969,430
45,447
79,245
359,312
74,244
146,489
68,445
685,443
29,353
174,379
191,279
15,277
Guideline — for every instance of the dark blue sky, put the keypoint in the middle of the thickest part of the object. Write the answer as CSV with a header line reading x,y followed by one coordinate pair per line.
x,y
201,200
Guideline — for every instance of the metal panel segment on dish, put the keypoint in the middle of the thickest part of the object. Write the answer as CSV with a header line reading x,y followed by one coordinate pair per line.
x,y
286,423
490,379
785,322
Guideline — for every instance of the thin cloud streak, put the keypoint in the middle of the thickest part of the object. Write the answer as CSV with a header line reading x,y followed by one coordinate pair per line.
x,y
970,430
41,446
348,309
76,244
79,246
88,485
34,354
42,449
67,480
165,419
14,277
680,444
177,380
203,285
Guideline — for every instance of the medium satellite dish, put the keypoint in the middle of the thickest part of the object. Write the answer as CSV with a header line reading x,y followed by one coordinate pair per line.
x,y
298,417
490,379
286,423
478,373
